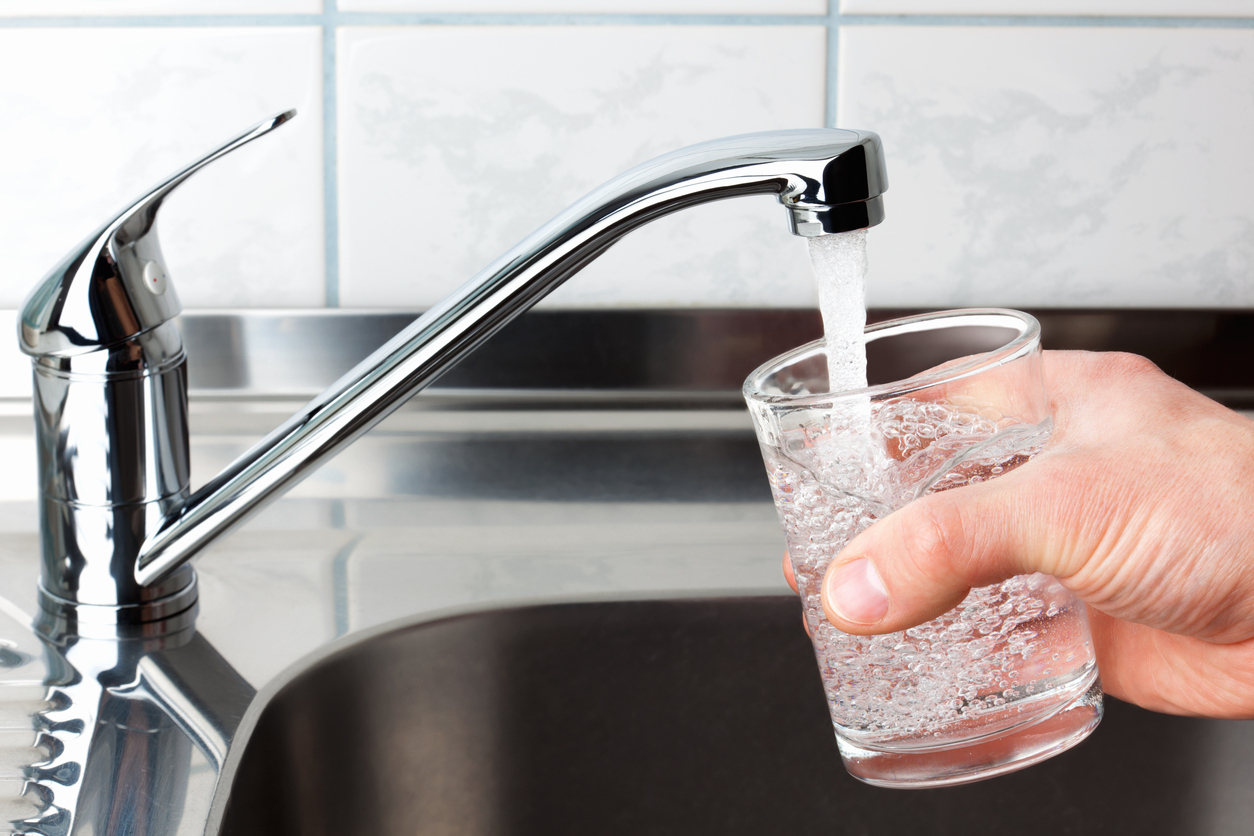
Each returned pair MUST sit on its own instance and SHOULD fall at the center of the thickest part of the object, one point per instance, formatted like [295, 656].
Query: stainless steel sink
[659, 717]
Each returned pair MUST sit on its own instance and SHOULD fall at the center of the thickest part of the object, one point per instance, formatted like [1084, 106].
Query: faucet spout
[829, 180]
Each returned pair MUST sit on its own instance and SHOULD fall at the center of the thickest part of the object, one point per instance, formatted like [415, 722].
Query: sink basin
[659, 717]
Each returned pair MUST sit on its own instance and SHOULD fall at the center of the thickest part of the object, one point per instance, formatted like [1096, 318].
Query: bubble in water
[971, 662]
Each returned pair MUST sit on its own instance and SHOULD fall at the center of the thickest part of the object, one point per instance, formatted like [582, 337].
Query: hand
[1142, 505]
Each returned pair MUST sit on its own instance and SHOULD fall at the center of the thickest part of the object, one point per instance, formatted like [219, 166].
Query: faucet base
[59, 618]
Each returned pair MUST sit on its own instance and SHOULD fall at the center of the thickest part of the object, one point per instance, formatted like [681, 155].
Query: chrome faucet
[117, 518]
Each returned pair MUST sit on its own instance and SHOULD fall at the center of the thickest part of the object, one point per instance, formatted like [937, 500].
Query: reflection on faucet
[118, 520]
[135, 731]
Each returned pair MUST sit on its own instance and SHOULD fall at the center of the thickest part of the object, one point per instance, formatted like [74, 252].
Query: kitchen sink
[659, 717]
[625, 471]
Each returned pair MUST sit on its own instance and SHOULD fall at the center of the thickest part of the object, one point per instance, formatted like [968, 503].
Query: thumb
[921, 561]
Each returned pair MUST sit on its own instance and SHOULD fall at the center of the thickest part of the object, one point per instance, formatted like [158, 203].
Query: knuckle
[930, 538]
[1121, 364]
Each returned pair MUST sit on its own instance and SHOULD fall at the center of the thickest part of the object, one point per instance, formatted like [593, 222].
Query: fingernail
[856, 592]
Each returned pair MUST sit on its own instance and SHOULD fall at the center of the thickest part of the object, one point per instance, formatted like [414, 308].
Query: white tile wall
[1058, 166]
[1138, 8]
[93, 116]
[30, 8]
[442, 171]
[1079, 162]
[779, 7]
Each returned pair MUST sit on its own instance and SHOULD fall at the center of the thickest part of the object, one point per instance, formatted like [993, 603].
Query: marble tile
[441, 171]
[777, 7]
[104, 113]
[1135, 8]
[56, 8]
[1058, 166]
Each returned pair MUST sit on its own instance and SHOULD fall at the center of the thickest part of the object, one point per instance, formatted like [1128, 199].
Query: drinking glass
[1008, 677]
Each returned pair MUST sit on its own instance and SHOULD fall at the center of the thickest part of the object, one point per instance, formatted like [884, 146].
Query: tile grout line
[831, 90]
[336, 18]
[330, 156]
[1058, 21]
[405, 19]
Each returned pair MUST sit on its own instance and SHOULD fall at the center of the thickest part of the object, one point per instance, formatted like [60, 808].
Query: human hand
[1142, 505]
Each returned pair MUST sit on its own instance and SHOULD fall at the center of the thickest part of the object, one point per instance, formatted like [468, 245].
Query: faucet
[118, 521]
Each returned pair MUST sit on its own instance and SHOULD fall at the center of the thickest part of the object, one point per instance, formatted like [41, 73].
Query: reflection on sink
[690, 716]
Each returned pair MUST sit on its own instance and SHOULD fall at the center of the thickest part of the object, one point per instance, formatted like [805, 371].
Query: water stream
[840, 266]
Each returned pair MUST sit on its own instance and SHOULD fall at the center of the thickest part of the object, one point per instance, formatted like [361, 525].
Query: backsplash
[1035, 158]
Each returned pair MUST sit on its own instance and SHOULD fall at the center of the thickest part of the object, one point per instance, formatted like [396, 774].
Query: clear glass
[1007, 678]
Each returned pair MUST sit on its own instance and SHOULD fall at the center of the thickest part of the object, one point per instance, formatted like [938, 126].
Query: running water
[840, 271]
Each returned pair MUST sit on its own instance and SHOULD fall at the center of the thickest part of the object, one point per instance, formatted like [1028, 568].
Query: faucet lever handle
[113, 286]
